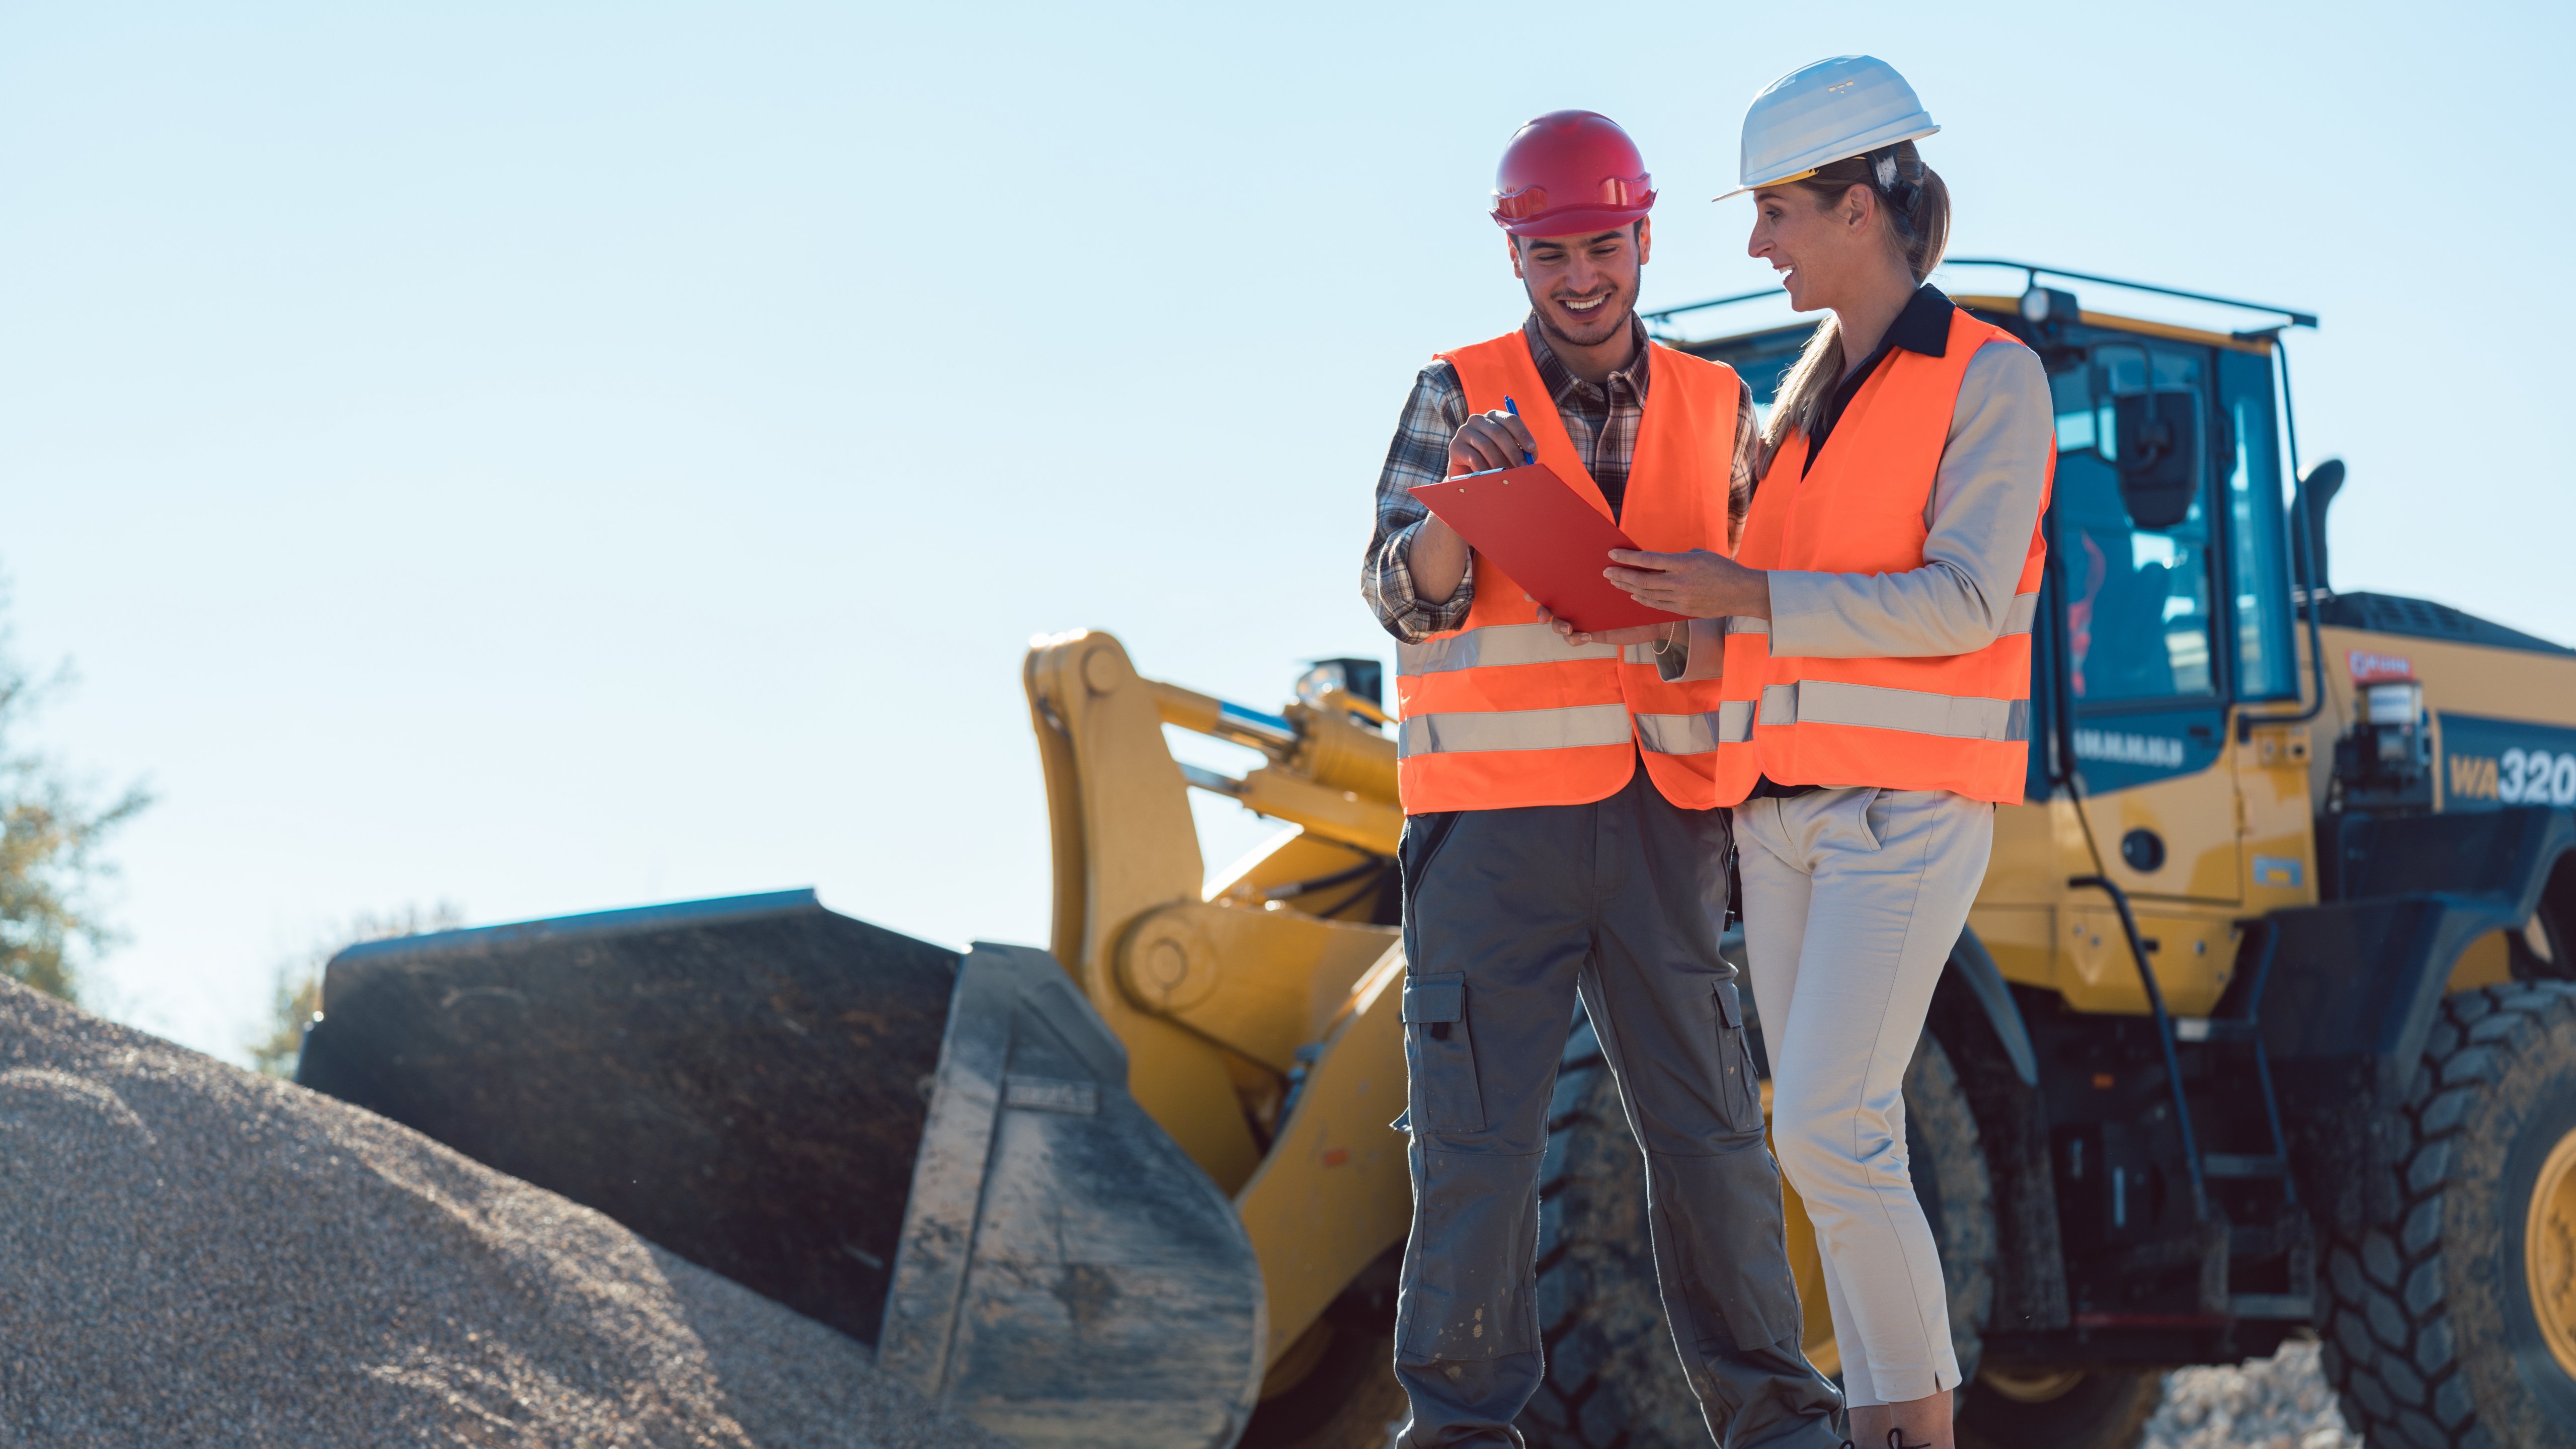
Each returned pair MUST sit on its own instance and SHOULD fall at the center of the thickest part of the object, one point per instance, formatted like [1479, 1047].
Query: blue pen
[1514, 409]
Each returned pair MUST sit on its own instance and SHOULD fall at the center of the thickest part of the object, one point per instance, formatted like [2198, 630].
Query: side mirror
[2047, 307]
[2046, 313]
[2157, 441]
[2315, 494]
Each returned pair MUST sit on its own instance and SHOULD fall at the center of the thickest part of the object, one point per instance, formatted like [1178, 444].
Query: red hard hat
[1569, 172]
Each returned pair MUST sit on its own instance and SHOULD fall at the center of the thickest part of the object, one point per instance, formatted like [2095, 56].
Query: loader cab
[2188, 743]
[2168, 512]
[2167, 633]
[2167, 625]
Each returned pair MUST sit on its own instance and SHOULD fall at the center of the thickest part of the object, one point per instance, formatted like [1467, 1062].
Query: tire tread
[2390, 1350]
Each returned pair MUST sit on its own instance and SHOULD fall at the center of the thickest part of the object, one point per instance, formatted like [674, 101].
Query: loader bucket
[934, 1153]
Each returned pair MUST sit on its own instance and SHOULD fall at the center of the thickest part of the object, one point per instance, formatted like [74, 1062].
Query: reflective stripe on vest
[1513, 729]
[1691, 734]
[1949, 716]
[1492, 647]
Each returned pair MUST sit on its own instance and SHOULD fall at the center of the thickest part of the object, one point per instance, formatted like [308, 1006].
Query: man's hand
[1698, 584]
[1438, 556]
[1617, 638]
[1488, 441]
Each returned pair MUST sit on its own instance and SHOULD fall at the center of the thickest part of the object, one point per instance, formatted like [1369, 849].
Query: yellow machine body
[1235, 991]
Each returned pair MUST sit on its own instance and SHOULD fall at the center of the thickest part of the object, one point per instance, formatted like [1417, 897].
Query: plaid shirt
[1601, 421]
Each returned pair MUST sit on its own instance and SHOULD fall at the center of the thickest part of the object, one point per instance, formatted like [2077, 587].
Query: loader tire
[2452, 1325]
[2072, 1408]
[1612, 1375]
[1948, 1161]
[1348, 1399]
[1612, 1378]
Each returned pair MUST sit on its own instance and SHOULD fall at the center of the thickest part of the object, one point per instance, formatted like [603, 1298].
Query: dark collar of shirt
[1923, 328]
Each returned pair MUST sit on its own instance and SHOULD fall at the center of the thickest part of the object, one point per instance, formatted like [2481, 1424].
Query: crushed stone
[2281, 1402]
[193, 1255]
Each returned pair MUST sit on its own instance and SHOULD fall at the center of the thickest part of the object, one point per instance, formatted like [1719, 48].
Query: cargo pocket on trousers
[1440, 1055]
[1739, 1100]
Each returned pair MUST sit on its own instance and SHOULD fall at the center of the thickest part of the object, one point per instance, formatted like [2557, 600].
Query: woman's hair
[1916, 204]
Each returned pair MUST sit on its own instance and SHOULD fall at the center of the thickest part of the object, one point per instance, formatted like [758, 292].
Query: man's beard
[1547, 323]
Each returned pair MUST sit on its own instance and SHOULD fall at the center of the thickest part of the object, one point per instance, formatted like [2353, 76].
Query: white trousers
[1852, 901]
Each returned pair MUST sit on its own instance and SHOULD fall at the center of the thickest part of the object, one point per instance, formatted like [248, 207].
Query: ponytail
[1916, 203]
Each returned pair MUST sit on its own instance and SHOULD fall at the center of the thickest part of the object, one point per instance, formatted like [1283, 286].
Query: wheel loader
[2264, 1024]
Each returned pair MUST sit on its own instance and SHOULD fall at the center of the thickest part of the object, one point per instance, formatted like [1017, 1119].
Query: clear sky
[552, 457]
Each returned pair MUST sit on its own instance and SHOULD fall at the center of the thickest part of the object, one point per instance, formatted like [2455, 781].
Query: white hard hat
[1827, 112]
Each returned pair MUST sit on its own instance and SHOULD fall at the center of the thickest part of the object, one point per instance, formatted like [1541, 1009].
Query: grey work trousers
[1853, 899]
[1507, 915]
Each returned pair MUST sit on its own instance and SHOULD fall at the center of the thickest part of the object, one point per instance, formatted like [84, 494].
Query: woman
[1872, 637]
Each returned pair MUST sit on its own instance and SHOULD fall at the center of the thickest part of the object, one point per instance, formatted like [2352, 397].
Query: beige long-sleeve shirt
[1985, 501]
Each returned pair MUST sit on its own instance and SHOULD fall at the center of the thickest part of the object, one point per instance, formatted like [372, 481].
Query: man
[1560, 837]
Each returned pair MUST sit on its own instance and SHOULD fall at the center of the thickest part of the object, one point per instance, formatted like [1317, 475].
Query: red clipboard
[1547, 537]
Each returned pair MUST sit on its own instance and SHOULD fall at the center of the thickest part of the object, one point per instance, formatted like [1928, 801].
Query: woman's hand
[1697, 585]
[1617, 638]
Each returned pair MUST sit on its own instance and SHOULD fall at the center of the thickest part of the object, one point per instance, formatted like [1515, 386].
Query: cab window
[2138, 601]
[2257, 530]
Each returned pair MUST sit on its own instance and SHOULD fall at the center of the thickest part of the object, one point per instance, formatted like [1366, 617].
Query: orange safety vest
[1502, 712]
[1959, 722]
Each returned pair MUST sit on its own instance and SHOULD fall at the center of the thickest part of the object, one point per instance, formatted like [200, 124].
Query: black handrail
[1670, 312]
[2164, 1036]
[2034, 271]
[2253, 1018]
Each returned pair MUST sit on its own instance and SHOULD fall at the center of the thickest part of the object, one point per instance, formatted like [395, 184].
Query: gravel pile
[191, 1255]
[2280, 1402]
